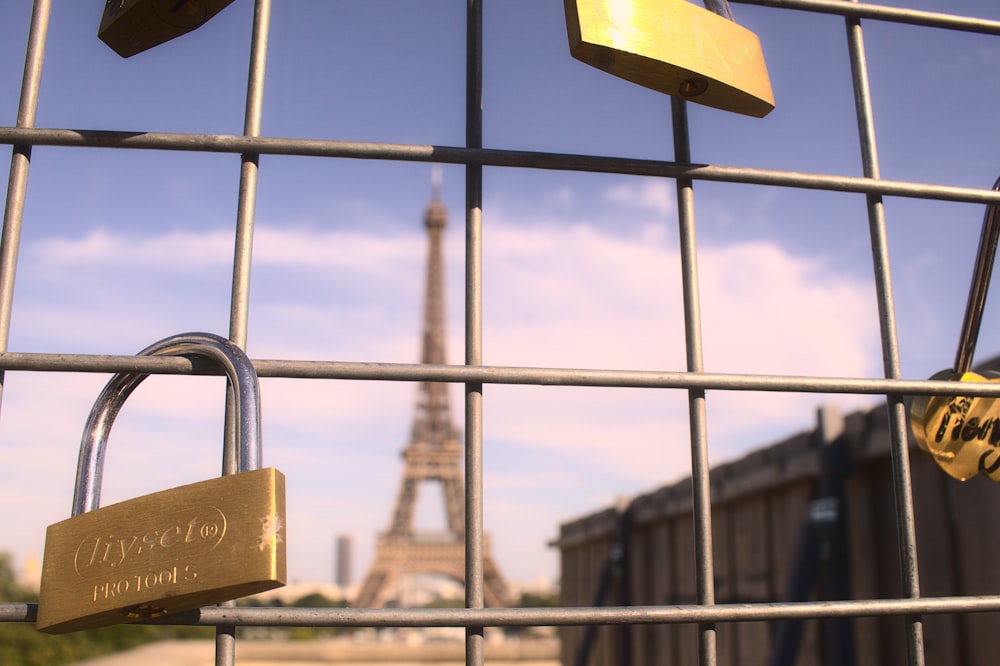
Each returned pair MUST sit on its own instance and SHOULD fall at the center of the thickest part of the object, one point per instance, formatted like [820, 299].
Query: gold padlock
[134, 26]
[674, 47]
[173, 550]
[962, 432]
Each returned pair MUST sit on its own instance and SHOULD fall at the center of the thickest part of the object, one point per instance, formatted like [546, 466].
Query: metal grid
[473, 375]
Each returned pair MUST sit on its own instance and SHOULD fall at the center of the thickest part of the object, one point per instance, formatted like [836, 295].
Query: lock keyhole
[693, 87]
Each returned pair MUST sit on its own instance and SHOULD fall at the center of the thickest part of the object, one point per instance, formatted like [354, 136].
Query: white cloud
[338, 249]
[766, 311]
[100, 246]
[578, 297]
[555, 295]
[657, 196]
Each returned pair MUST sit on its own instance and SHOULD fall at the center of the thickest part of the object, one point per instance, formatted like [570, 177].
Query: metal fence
[807, 518]
[705, 613]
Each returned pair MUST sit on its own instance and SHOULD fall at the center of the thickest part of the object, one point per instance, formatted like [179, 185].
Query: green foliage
[256, 602]
[23, 645]
[317, 600]
[9, 589]
[312, 600]
[534, 600]
[445, 602]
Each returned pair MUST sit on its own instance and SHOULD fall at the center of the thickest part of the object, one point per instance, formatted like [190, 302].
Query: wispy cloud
[96, 248]
[653, 195]
[556, 295]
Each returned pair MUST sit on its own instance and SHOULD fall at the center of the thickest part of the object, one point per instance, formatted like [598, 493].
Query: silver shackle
[242, 379]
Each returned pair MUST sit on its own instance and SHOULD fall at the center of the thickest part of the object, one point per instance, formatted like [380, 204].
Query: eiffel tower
[433, 455]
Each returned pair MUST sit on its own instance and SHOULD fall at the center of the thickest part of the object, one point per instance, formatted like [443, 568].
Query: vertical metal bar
[245, 210]
[20, 160]
[246, 205]
[979, 288]
[225, 641]
[700, 487]
[225, 636]
[902, 485]
[474, 643]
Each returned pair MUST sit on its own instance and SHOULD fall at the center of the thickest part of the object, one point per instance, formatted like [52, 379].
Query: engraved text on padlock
[962, 433]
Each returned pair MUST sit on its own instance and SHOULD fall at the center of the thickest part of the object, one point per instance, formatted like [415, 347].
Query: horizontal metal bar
[417, 372]
[534, 617]
[883, 13]
[214, 143]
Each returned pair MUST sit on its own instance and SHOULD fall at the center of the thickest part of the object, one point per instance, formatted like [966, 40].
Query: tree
[23, 645]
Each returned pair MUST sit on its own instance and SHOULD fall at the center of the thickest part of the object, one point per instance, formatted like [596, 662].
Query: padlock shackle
[242, 379]
[976, 303]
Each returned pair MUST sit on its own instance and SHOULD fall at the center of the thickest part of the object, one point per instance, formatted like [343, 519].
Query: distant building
[30, 575]
[810, 517]
[343, 565]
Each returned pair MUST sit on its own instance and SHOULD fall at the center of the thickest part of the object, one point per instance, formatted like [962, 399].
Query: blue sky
[121, 248]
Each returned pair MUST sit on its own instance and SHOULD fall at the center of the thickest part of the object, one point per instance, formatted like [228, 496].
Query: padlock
[134, 26]
[674, 47]
[173, 550]
[962, 432]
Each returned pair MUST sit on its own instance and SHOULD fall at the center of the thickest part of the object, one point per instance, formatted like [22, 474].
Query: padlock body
[674, 47]
[962, 433]
[133, 26]
[163, 553]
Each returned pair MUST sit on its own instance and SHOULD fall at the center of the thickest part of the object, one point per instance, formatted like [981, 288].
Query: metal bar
[278, 616]
[720, 7]
[239, 304]
[700, 487]
[217, 143]
[246, 207]
[486, 374]
[225, 641]
[475, 617]
[20, 161]
[902, 483]
[474, 549]
[884, 13]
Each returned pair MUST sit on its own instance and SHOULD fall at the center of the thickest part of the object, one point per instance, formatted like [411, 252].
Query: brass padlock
[674, 47]
[962, 432]
[173, 550]
[134, 26]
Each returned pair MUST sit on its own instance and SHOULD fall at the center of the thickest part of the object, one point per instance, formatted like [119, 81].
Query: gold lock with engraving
[674, 47]
[174, 550]
[962, 432]
[133, 26]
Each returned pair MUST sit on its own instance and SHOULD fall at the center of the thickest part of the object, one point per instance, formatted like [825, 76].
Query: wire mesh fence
[480, 161]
